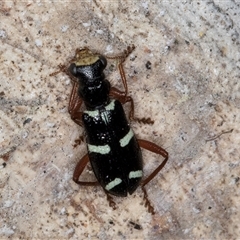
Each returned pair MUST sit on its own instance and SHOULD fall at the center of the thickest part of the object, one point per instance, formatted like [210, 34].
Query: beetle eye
[103, 60]
[73, 69]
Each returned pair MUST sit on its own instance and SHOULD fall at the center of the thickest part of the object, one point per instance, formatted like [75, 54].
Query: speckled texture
[184, 74]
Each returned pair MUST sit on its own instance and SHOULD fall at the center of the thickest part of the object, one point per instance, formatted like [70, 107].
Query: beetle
[114, 151]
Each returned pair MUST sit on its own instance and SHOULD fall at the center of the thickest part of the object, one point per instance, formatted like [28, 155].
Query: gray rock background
[184, 74]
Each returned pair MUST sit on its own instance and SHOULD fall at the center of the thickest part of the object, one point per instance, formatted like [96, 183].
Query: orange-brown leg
[75, 101]
[74, 105]
[156, 149]
[121, 58]
[111, 203]
[62, 68]
[77, 173]
[123, 98]
[79, 169]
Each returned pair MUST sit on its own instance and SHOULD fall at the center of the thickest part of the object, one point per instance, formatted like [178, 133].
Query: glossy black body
[104, 126]
[120, 161]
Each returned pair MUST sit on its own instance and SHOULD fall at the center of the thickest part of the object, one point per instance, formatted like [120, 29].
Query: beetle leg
[121, 58]
[79, 169]
[112, 204]
[121, 96]
[156, 149]
[75, 101]
[126, 53]
[74, 105]
[62, 68]
[78, 141]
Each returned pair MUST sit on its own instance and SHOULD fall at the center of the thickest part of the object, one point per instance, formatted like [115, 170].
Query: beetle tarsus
[112, 204]
[78, 141]
[143, 120]
[147, 202]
